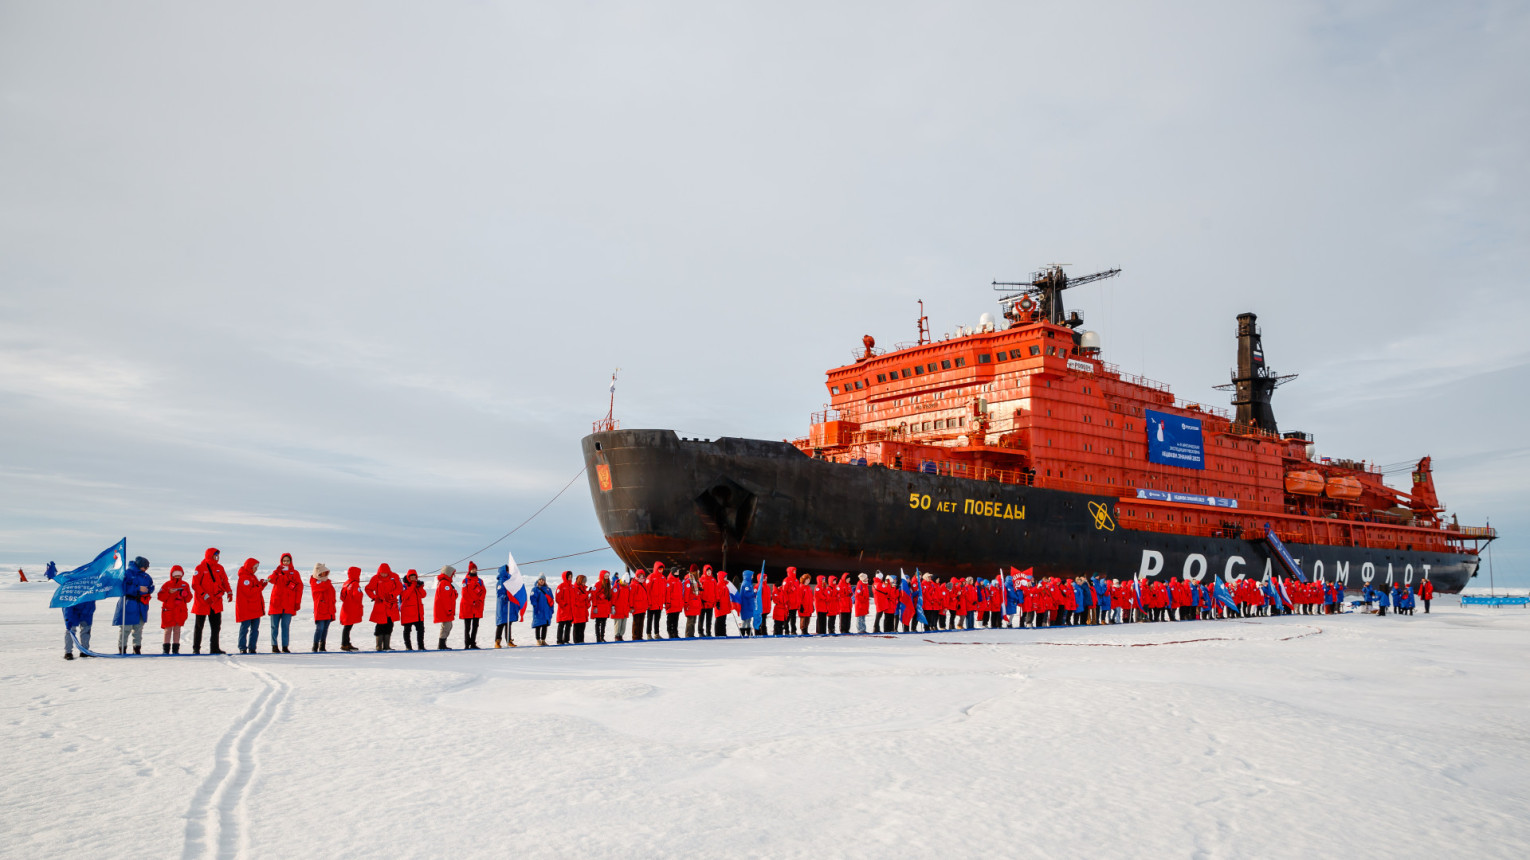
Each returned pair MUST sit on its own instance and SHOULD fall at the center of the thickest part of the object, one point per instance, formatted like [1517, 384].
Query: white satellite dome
[985, 322]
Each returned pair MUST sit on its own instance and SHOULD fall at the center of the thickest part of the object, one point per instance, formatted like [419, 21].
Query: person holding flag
[133, 605]
[510, 604]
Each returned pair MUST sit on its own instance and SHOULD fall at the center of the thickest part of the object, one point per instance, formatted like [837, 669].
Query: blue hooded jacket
[746, 597]
[541, 605]
[52, 570]
[130, 608]
[501, 598]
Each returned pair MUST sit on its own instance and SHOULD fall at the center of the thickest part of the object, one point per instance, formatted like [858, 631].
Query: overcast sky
[350, 279]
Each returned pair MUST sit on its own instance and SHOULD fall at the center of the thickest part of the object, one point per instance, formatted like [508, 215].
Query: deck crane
[1047, 286]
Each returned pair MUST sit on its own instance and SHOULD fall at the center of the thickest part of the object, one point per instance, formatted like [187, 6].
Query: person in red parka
[600, 604]
[208, 588]
[249, 605]
[411, 609]
[384, 588]
[724, 606]
[674, 602]
[286, 599]
[473, 594]
[637, 602]
[580, 609]
[175, 600]
[446, 605]
[692, 602]
[621, 605]
[564, 595]
[1425, 592]
[860, 600]
[323, 606]
[350, 607]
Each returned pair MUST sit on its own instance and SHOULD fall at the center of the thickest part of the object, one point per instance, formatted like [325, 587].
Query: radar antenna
[1047, 286]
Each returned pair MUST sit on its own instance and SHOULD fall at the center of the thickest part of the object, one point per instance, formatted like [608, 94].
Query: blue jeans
[282, 624]
[320, 632]
[249, 634]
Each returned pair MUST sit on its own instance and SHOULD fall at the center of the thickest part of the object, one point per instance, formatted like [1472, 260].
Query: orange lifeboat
[1305, 483]
[1344, 488]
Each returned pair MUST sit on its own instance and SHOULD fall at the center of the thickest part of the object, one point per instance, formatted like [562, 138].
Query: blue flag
[1224, 596]
[100, 579]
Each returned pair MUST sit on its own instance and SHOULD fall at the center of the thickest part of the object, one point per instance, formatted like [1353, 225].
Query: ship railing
[861, 353]
[606, 425]
[824, 417]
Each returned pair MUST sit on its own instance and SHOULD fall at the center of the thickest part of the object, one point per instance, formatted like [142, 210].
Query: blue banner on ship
[1174, 441]
[1187, 499]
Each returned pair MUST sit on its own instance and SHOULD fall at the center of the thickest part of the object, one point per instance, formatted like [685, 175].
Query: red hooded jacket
[286, 589]
[175, 594]
[674, 593]
[620, 600]
[411, 599]
[637, 595]
[446, 599]
[581, 607]
[473, 593]
[350, 597]
[249, 594]
[600, 602]
[323, 598]
[384, 588]
[565, 597]
[209, 586]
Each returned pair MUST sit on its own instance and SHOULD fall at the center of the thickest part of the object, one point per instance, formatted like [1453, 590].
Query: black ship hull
[738, 504]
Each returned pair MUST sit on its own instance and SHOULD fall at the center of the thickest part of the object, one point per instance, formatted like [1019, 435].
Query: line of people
[655, 603]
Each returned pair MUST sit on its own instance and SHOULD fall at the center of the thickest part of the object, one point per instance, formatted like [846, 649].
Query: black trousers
[781, 627]
[563, 631]
[823, 624]
[215, 620]
[419, 631]
[579, 632]
[844, 623]
[470, 632]
[345, 636]
[674, 625]
[706, 622]
[600, 629]
[541, 633]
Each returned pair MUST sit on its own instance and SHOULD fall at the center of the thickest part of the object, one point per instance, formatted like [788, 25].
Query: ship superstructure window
[945, 364]
[961, 361]
[858, 385]
[1002, 356]
[918, 370]
[834, 388]
[984, 358]
[1035, 349]
[903, 373]
[881, 377]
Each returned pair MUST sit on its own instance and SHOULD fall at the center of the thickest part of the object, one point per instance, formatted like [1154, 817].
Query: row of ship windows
[946, 364]
[1130, 482]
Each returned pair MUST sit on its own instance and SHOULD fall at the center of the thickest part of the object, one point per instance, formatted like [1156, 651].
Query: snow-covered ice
[1295, 737]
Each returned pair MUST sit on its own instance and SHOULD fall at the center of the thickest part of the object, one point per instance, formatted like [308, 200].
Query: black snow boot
[167, 647]
[441, 645]
[137, 649]
[176, 648]
[68, 656]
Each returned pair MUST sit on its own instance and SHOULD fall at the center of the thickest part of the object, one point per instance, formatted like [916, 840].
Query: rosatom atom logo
[603, 474]
[1102, 518]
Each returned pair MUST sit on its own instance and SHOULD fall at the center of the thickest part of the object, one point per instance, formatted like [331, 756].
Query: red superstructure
[1032, 403]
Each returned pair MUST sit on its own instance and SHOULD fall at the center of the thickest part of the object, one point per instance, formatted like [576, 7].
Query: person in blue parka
[1383, 600]
[77, 620]
[747, 597]
[541, 609]
[133, 605]
[51, 572]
